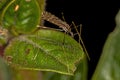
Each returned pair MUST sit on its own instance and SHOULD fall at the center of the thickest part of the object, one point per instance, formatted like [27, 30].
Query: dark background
[97, 18]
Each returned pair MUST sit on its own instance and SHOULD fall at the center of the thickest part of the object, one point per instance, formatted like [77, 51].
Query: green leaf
[46, 50]
[108, 67]
[4, 71]
[80, 73]
[21, 16]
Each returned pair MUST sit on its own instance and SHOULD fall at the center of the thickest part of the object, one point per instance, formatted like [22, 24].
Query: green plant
[29, 50]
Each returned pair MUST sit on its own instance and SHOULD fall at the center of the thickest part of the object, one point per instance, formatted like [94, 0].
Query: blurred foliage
[108, 67]
[4, 71]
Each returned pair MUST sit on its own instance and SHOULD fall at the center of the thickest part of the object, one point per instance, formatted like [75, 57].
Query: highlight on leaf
[21, 16]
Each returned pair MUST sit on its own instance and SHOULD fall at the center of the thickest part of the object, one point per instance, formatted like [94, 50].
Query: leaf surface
[80, 73]
[21, 16]
[46, 50]
[2, 3]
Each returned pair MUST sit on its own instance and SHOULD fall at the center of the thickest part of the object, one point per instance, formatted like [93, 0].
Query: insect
[55, 20]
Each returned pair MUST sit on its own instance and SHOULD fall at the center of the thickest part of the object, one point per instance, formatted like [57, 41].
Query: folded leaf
[109, 64]
[46, 50]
